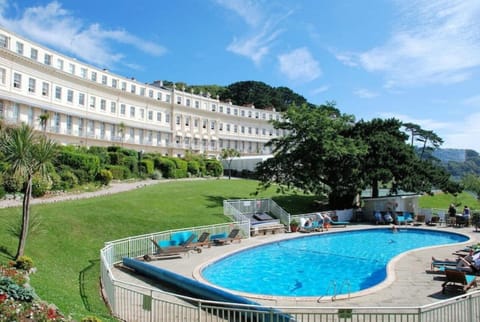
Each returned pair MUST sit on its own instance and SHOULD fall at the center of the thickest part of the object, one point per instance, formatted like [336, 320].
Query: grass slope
[66, 248]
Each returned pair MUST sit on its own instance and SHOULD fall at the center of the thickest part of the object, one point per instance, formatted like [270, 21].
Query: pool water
[321, 264]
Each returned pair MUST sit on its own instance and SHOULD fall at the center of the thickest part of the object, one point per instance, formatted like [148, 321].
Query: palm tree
[43, 118]
[27, 154]
[121, 130]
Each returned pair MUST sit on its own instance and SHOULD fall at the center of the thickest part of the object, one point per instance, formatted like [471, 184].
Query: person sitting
[469, 264]
[378, 218]
[327, 220]
[388, 217]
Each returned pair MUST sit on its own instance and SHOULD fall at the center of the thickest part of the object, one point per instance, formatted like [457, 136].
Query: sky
[415, 60]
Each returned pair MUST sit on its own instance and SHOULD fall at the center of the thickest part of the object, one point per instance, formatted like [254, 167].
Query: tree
[427, 137]
[414, 130]
[228, 155]
[121, 130]
[43, 119]
[317, 155]
[28, 154]
[471, 182]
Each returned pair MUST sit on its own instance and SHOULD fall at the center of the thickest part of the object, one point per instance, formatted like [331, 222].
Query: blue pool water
[322, 264]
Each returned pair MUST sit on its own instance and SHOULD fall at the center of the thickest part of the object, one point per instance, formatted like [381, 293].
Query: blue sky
[416, 60]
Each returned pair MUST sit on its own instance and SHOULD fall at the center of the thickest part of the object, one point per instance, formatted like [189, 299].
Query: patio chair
[203, 240]
[233, 236]
[170, 251]
[458, 281]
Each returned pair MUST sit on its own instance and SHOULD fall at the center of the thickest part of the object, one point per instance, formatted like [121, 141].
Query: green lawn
[66, 248]
[442, 201]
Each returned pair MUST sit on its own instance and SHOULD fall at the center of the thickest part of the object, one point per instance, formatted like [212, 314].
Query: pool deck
[409, 283]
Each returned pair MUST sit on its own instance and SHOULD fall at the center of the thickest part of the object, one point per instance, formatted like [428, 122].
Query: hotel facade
[79, 104]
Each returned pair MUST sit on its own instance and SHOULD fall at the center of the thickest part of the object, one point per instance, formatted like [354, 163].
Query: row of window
[134, 88]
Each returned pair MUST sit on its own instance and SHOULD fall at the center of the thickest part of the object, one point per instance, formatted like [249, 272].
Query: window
[142, 113]
[132, 111]
[19, 48]
[235, 128]
[92, 101]
[104, 79]
[159, 116]
[3, 41]
[150, 93]
[69, 124]
[242, 113]
[187, 121]
[45, 89]
[3, 74]
[33, 53]
[249, 113]
[167, 118]
[220, 109]
[214, 107]
[81, 99]
[58, 92]
[220, 127]
[83, 72]
[197, 104]
[47, 59]
[235, 112]
[150, 115]
[93, 76]
[103, 105]
[142, 91]
[124, 86]
[242, 129]
[187, 102]
[133, 89]
[60, 64]
[113, 107]
[228, 127]
[167, 98]
[31, 85]
[114, 83]
[159, 96]
[212, 125]
[70, 96]
[122, 109]
[228, 110]
[204, 124]
[179, 100]
[17, 80]
[177, 120]
[71, 69]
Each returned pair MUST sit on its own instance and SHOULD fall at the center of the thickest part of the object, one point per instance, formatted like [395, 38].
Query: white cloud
[248, 10]
[461, 133]
[365, 93]
[254, 47]
[54, 26]
[299, 64]
[320, 90]
[435, 42]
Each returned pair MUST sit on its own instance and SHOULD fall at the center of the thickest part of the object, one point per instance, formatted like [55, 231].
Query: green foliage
[193, 168]
[214, 168]
[181, 168]
[166, 166]
[101, 153]
[146, 167]
[130, 162]
[156, 175]
[12, 183]
[88, 164]
[91, 319]
[15, 291]
[68, 178]
[119, 172]
[40, 185]
[128, 152]
[24, 262]
[105, 177]
[115, 157]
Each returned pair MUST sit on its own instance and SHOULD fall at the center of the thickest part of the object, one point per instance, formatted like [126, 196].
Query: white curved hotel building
[90, 106]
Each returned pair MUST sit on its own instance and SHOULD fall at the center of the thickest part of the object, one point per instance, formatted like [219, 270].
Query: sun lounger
[170, 251]
[337, 223]
[202, 240]
[233, 236]
[458, 281]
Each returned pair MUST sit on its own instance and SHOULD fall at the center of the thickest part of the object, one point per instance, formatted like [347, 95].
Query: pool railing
[134, 302]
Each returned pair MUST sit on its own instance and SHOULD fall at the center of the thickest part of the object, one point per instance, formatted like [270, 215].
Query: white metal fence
[131, 302]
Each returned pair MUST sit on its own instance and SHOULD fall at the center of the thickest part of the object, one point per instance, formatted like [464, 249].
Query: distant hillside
[447, 155]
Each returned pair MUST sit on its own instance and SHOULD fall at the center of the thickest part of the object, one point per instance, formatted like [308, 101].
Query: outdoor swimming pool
[320, 264]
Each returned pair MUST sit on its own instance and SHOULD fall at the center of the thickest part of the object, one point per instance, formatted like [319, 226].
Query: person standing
[466, 214]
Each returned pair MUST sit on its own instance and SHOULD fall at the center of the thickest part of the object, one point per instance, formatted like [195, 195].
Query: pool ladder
[337, 288]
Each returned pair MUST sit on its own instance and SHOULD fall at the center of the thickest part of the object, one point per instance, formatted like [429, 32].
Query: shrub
[40, 185]
[129, 152]
[24, 262]
[115, 158]
[146, 167]
[119, 172]
[12, 183]
[82, 176]
[193, 167]
[104, 177]
[91, 319]
[101, 153]
[88, 163]
[167, 167]
[156, 175]
[214, 168]
[15, 291]
[69, 179]
[130, 162]
[181, 168]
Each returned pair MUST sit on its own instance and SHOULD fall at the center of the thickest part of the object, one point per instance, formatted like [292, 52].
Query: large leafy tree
[28, 153]
[315, 154]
